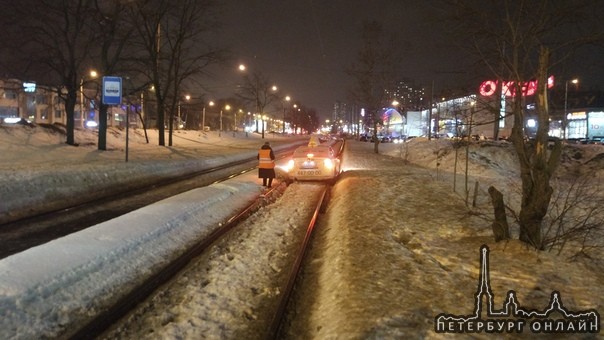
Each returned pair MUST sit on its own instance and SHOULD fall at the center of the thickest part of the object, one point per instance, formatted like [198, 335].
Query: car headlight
[290, 165]
[328, 163]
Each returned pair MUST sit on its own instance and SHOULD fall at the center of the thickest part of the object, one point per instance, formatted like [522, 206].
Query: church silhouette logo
[513, 318]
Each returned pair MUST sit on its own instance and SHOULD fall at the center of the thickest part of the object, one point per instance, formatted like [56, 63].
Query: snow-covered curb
[156, 234]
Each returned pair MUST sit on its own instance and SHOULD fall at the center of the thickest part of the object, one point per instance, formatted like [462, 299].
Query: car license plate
[309, 172]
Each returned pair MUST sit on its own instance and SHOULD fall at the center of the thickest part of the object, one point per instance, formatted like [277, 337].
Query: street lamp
[247, 123]
[294, 119]
[287, 98]
[227, 107]
[187, 98]
[203, 116]
[264, 118]
[564, 117]
[93, 75]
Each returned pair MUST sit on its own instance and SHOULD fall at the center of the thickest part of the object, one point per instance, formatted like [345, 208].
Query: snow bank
[64, 282]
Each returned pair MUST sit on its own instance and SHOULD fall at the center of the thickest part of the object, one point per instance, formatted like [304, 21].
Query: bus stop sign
[112, 90]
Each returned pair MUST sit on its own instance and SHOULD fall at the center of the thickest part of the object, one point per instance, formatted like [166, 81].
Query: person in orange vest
[266, 164]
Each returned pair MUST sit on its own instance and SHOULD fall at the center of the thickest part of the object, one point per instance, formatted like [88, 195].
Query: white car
[311, 163]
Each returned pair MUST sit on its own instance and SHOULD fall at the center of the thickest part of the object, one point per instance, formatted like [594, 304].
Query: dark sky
[304, 46]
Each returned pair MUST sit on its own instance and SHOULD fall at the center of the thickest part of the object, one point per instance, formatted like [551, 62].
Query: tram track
[104, 316]
[33, 230]
[267, 311]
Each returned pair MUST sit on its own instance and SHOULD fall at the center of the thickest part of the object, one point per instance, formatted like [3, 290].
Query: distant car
[597, 140]
[364, 138]
[310, 163]
[399, 139]
[385, 139]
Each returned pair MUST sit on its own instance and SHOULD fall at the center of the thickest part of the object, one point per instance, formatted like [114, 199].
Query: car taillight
[328, 163]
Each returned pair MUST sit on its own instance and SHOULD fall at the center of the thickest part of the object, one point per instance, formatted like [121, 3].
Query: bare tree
[257, 90]
[171, 36]
[50, 42]
[308, 119]
[522, 40]
[374, 74]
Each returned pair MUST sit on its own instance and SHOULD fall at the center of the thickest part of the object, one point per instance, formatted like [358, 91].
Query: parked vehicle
[385, 139]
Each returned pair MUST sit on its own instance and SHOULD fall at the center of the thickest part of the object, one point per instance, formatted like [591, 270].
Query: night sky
[304, 46]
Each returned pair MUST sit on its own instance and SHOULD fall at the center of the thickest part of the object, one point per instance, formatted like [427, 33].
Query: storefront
[585, 125]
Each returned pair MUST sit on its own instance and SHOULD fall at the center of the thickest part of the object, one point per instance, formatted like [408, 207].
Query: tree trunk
[160, 119]
[536, 168]
[501, 229]
[497, 113]
[70, 103]
[376, 141]
[103, 127]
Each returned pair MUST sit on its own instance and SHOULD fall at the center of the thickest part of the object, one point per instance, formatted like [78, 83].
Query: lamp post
[187, 98]
[203, 116]
[287, 98]
[247, 123]
[227, 107]
[294, 119]
[93, 74]
[564, 116]
[395, 104]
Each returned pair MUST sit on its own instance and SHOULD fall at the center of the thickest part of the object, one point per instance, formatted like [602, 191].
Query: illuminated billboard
[508, 88]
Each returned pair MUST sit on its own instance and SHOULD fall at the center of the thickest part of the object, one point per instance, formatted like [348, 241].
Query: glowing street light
[83, 117]
[226, 107]
[203, 116]
[287, 98]
[564, 116]
[187, 98]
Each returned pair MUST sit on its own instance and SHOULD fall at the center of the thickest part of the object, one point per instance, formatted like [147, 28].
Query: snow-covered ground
[396, 247]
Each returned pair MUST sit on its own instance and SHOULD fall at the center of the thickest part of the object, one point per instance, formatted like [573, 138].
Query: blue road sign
[112, 90]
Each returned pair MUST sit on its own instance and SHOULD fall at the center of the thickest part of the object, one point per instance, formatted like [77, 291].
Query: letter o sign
[487, 88]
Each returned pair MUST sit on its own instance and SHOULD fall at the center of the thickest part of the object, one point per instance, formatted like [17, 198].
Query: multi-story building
[30, 102]
[42, 105]
[410, 96]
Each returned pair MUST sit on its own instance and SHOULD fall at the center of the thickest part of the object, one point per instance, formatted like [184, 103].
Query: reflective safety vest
[264, 159]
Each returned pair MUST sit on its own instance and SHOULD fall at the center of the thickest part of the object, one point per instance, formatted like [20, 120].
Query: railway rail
[109, 318]
[30, 231]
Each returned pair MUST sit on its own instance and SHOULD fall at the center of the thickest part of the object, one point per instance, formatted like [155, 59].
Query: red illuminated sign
[508, 88]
